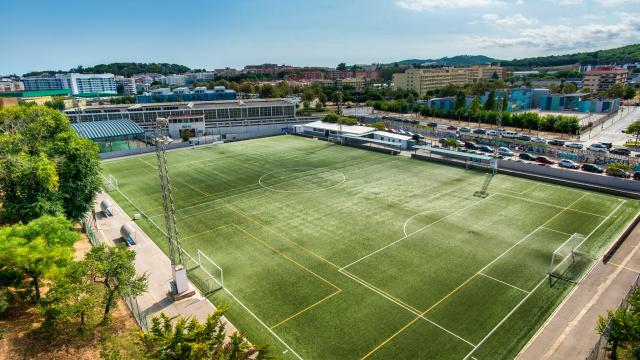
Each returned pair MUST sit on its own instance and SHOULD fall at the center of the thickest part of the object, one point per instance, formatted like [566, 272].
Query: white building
[128, 83]
[180, 80]
[325, 129]
[404, 141]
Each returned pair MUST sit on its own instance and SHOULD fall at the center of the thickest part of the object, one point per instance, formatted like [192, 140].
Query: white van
[510, 134]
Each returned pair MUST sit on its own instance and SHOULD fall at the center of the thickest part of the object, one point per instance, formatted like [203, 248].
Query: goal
[204, 272]
[110, 183]
[570, 261]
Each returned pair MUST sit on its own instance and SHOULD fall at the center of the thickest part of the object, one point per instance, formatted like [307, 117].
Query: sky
[213, 34]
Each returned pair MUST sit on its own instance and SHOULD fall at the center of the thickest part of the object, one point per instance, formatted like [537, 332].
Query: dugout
[372, 144]
[107, 207]
[129, 234]
[460, 158]
[112, 135]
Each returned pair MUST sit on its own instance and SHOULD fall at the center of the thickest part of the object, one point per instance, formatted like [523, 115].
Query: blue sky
[40, 35]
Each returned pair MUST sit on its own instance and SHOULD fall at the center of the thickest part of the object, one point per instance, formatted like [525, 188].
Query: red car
[451, 127]
[545, 160]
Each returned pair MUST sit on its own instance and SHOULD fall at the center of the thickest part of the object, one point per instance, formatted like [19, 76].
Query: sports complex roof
[107, 129]
[453, 153]
[375, 141]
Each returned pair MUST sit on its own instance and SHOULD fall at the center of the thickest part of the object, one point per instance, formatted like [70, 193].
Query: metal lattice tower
[175, 249]
[500, 109]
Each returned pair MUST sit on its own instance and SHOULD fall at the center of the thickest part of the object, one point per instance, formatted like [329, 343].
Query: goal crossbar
[200, 271]
[564, 257]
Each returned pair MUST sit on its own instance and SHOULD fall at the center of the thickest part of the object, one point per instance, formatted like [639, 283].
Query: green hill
[123, 68]
[621, 55]
[460, 60]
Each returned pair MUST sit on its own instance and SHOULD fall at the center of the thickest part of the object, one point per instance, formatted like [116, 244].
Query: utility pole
[178, 269]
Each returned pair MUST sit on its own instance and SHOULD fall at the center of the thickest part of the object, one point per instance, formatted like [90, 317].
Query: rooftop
[183, 105]
[107, 129]
[352, 129]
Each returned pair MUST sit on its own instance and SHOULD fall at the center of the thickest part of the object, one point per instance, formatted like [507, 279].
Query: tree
[36, 250]
[45, 169]
[378, 125]
[616, 91]
[55, 104]
[474, 108]
[570, 88]
[586, 90]
[184, 339]
[112, 267]
[306, 105]
[490, 102]
[268, 91]
[451, 143]
[323, 99]
[308, 95]
[410, 99]
[495, 75]
[629, 93]
[331, 118]
[634, 128]
[619, 331]
[318, 106]
[505, 102]
[480, 87]
[555, 88]
[246, 88]
[449, 90]
[341, 67]
[461, 101]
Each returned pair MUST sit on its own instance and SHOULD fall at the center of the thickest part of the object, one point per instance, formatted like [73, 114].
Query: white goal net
[204, 272]
[569, 260]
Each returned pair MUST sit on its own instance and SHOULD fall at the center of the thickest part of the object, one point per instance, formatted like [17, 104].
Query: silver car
[574, 145]
[505, 151]
[568, 164]
[539, 140]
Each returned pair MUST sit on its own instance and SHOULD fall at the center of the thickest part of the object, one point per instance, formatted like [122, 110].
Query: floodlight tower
[175, 250]
[500, 109]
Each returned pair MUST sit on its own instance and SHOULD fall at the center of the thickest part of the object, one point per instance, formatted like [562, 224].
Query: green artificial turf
[342, 253]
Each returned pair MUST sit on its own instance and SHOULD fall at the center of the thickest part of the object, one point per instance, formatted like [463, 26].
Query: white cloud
[566, 2]
[519, 2]
[591, 17]
[561, 37]
[422, 5]
[516, 19]
[612, 3]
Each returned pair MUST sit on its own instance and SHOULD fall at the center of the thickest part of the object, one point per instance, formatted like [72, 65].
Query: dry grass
[22, 340]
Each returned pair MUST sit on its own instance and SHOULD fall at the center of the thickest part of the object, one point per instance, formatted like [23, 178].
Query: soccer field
[332, 252]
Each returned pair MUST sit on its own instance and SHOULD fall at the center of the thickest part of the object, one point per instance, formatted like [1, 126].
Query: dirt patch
[23, 341]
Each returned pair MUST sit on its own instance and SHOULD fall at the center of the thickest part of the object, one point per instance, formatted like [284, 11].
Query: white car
[492, 133]
[540, 140]
[504, 151]
[574, 145]
[401, 132]
[597, 147]
[568, 164]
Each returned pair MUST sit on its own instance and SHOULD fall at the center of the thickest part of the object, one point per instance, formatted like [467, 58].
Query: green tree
[619, 331]
[55, 104]
[268, 91]
[474, 108]
[495, 75]
[331, 118]
[505, 102]
[629, 93]
[246, 88]
[342, 66]
[318, 106]
[112, 267]
[410, 99]
[322, 97]
[415, 109]
[531, 120]
[570, 88]
[555, 88]
[306, 105]
[490, 102]
[36, 250]
[425, 111]
[449, 90]
[634, 129]
[461, 101]
[184, 339]
[308, 95]
[451, 143]
[616, 91]
[378, 125]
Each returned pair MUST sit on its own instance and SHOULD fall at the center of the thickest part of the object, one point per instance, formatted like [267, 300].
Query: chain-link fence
[601, 349]
[90, 234]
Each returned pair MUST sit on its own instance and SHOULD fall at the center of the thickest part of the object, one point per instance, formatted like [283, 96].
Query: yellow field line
[531, 188]
[184, 182]
[384, 292]
[624, 267]
[420, 316]
[150, 173]
[204, 232]
[565, 209]
[300, 312]
[290, 259]
[533, 201]
[298, 245]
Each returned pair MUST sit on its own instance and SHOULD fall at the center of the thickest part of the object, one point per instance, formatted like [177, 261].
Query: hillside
[460, 60]
[621, 55]
[122, 68]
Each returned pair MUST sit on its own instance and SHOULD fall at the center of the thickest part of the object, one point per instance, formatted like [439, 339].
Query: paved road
[611, 130]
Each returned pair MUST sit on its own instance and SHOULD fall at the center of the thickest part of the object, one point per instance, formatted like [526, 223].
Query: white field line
[559, 232]
[404, 228]
[225, 289]
[148, 163]
[557, 186]
[509, 249]
[417, 231]
[258, 189]
[403, 306]
[537, 286]
[500, 281]
[552, 205]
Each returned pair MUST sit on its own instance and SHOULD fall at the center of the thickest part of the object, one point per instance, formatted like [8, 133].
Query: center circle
[301, 179]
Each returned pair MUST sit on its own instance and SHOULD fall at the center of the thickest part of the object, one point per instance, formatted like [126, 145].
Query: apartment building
[423, 80]
[600, 79]
[128, 83]
[78, 83]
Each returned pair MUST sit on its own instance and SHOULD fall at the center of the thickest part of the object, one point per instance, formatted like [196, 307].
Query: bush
[184, 134]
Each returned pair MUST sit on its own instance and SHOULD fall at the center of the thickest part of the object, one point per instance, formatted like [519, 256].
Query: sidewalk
[150, 259]
[570, 333]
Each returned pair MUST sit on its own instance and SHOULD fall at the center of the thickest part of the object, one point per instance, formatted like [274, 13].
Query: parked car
[479, 131]
[620, 151]
[402, 132]
[568, 164]
[524, 138]
[465, 129]
[432, 124]
[510, 134]
[618, 173]
[636, 175]
[471, 145]
[608, 145]
[592, 168]
[492, 133]
[442, 140]
[527, 156]
[539, 140]
[545, 160]
[487, 149]
[392, 131]
[556, 142]
[597, 147]
[575, 145]
[409, 133]
[505, 151]
[415, 122]
[500, 131]
[451, 127]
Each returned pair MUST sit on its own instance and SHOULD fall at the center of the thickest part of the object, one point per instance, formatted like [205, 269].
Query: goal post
[110, 182]
[205, 273]
[569, 260]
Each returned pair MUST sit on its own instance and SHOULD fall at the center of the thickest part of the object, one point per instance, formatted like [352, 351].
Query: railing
[601, 350]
